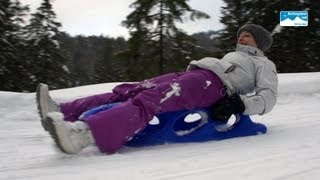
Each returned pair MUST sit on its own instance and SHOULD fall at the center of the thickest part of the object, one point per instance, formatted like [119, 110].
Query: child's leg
[72, 110]
[114, 127]
[129, 90]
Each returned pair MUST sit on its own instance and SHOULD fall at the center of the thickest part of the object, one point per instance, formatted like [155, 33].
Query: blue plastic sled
[173, 128]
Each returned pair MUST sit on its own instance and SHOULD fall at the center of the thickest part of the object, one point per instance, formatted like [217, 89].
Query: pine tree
[294, 48]
[6, 47]
[312, 43]
[103, 68]
[234, 15]
[110, 67]
[11, 68]
[155, 36]
[44, 52]
[6, 28]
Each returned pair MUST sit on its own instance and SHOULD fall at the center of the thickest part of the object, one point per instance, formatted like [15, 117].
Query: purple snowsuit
[141, 101]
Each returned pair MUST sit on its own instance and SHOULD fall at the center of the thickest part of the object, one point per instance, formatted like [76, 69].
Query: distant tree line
[35, 50]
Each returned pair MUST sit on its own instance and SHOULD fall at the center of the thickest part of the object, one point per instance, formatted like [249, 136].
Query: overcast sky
[104, 17]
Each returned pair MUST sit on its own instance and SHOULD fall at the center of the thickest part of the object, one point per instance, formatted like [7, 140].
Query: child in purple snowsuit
[205, 83]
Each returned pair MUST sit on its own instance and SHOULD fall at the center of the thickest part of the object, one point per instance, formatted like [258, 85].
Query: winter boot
[70, 137]
[45, 103]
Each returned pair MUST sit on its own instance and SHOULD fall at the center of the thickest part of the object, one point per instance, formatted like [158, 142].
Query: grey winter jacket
[246, 72]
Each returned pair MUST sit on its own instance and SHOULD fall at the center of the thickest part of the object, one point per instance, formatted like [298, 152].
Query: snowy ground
[290, 149]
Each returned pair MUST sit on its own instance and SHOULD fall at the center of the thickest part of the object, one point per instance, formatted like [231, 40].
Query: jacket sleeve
[265, 97]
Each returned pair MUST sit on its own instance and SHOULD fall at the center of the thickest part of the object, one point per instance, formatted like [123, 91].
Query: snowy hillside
[290, 149]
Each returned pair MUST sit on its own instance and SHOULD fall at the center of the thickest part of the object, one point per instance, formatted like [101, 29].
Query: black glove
[223, 109]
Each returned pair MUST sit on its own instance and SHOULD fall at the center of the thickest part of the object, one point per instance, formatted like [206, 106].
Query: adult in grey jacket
[250, 77]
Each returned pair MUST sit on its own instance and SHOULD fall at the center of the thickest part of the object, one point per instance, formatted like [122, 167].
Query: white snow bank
[299, 83]
[289, 150]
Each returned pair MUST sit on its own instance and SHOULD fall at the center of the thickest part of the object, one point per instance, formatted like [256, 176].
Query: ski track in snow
[289, 150]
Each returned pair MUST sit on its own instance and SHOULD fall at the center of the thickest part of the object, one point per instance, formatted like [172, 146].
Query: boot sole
[40, 110]
[49, 125]
[59, 132]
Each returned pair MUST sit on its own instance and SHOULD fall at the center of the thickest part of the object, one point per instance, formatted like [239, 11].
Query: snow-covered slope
[290, 149]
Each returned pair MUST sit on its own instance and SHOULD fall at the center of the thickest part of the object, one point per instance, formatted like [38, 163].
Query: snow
[277, 29]
[66, 69]
[175, 91]
[148, 84]
[289, 150]
[208, 83]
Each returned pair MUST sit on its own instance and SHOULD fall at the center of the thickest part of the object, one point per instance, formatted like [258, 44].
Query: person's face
[246, 38]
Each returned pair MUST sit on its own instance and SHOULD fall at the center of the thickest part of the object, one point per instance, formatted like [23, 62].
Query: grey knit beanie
[262, 37]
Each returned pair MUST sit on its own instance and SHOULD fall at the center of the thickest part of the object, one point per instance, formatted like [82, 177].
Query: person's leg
[129, 90]
[71, 137]
[114, 127]
[72, 110]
